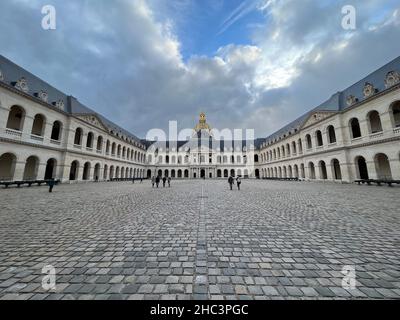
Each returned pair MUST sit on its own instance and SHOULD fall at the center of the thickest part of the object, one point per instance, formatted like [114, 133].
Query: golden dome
[202, 125]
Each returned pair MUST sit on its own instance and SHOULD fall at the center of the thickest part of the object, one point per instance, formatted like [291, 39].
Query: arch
[31, 168]
[16, 118]
[186, 173]
[124, 152]
[90, 140]
[309, 141]
[7, 166]
[280, 172]
[73, 173]
[86, 171]
[219, 173]
[311, 169]
[284, 172]
[256, 158]
[149, 174]
[226, 173]
[296, 171]
[99, 145]
[331, 132]
[56, 131]
[336, 170]
[112, 172]
[382, 165]
[51, 169]
[318, 137]
[179, 174]
[322, 170]
[355, 128]
[96, 173]
[122, 172]
[374, 122]
[119, 150]
[294, 148]
[300, 143]
[394, 111]
[117, 172]
[38, 125]
[114, 149]
[290, 172]
[78, 137]
[362, 168]
[202, 173]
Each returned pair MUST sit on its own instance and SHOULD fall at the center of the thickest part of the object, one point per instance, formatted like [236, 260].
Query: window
[355, 128]
[331, 134]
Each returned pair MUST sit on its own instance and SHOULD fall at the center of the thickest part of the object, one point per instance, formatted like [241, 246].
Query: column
[372, 170]
[41, 171]
[345, 169]
[64, 173]
[19, 171]
[395, 168]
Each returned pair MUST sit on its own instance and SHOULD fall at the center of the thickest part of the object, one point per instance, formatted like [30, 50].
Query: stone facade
[46, 134]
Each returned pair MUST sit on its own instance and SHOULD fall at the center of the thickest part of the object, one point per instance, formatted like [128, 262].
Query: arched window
[311, 169]
[73, 175]
[374, 122]
[300, 143]
[119, 149]
[294, 149]
[99, 143]
[86, 171]
[318, 137]
[355, 128]
[16, 118]
[331, 134]
[78, 137]
[395, 114]
[51, 168]
[256, 158]
[337, 172]
[7, 166]
[56, 131]
[309, 142]
[89, 142]
[113, 149]
[288, 150]
[38, 125]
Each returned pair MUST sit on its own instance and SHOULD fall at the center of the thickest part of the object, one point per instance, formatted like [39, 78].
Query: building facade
[45, 134]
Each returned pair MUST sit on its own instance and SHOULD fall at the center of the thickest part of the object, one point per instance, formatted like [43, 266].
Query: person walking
[164, 180]
[153, 181]
[51, 184]
[158, 179]
[238, 182]
[169, 182]
[231, 182]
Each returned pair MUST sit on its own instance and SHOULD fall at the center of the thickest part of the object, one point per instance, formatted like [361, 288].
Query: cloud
[124, 59]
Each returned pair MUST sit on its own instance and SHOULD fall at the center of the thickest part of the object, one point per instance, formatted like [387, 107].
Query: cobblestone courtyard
[198, 240]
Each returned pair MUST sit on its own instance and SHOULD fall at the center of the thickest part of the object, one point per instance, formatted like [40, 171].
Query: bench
[379, 182]
[29, 183]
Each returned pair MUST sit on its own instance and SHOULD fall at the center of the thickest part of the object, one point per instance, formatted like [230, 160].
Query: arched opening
[51, 168]
[302, 171]
[284, 172]
[300, 143]
[290, 172]
[122, 173]
[31, 168]
[336, 170]
[86, 171]
[186, 174]
[374, 122]
[38, 125]
[78, 137]
[331, 134]
[226, 173]
[114, 149]
[166, 173]
[219, 173]
[395, 114]
[294, 149]
[280, 173]
[112, 172]
[382, 165]
[89, 142]
[309, 141]
[355, 128]
[96, 174]
[362, 169]
[119, 150]
[117, 173]
[16, 118]
[99, 146]
[56, 131]
[311, 169]
[73, 174]
[7, 166]
[202, 173]
[173, 174]
[296, 171]
[179, 174]
[233, 173]
[148, 174]
[159, 174]
[318, 136]
[322, 170]
[256, 158]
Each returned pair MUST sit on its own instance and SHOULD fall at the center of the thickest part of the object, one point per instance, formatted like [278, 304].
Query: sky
[255, 64]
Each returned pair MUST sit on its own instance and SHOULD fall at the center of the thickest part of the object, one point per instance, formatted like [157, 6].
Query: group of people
[155, 181]
[231, 182]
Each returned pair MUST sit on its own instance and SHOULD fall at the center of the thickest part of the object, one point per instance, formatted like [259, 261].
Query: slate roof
[12, 73]
[338, 101]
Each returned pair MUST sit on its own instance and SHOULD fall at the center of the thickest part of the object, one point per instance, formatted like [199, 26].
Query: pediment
[317, 117]
[93, 120]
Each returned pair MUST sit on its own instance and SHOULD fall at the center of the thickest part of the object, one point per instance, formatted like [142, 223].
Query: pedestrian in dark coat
[231, 182]
[238, 182]
[158, 179]
[51, 184]
[164, 180]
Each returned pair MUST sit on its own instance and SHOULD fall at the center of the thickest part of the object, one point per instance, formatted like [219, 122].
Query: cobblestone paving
[198, 240]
